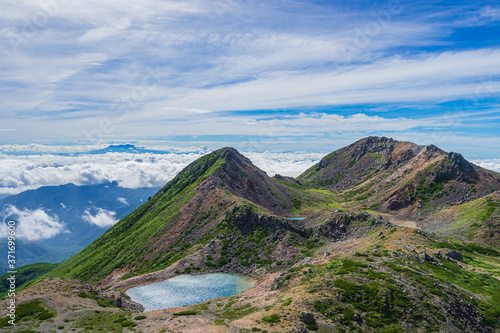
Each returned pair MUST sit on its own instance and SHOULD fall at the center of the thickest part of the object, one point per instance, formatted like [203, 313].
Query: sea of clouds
[490, 164]
[19, 173]
[43, 166]
[22, 172]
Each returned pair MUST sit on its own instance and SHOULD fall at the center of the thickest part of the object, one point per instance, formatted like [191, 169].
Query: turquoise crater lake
[189, 290]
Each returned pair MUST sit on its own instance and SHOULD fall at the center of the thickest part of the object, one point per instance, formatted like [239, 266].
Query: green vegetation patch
[101, 321]
[385, 302]
[24, 275]
[274, 318]
[33, 310]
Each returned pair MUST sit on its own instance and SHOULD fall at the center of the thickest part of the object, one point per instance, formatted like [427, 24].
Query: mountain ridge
[351, 262]
[400, 177]
[193, 202]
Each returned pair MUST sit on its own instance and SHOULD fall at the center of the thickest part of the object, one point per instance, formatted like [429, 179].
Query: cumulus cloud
[32, 225]
[123, 200]
[103, 218]
[490, 164]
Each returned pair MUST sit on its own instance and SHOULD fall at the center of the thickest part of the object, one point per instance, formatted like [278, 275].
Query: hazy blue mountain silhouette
[70, 202]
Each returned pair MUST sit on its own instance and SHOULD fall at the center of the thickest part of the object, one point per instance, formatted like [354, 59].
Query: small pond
[296, 218]
[189, 290]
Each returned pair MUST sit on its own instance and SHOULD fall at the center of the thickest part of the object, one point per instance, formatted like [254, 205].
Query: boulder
[307, 318]
[439, 255]
[424, 256]
[455, 255]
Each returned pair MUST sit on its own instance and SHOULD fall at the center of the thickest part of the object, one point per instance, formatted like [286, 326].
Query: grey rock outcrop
[455, 255]
[307, 318]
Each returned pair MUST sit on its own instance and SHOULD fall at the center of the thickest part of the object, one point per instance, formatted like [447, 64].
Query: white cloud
[36, 148]
[394, 79]
[40, 148]
[103, 218]
[248, 55]
[123, 200]
[32, 225]
[105, 31]
[490, 164]
[285, 164]
[19, 173]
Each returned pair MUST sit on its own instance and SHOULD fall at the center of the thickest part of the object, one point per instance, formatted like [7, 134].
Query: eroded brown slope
[400, 177]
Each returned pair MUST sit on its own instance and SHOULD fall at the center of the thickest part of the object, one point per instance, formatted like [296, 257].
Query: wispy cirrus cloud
[122, 70]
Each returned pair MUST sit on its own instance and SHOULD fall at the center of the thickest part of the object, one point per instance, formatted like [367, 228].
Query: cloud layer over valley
[23, 172]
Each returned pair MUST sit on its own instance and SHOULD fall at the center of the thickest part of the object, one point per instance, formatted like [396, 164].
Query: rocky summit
[389, 236]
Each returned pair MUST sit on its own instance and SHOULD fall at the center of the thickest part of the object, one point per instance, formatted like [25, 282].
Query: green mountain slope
[24, 275]
[477, 220]
[192, 203]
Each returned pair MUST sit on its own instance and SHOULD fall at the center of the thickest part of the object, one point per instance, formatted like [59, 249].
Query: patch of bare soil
[402, 222]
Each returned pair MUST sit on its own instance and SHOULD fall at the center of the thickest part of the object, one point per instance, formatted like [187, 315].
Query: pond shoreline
[189, 289]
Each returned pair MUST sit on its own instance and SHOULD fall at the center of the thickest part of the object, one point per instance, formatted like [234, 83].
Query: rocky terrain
[400, 177]
[396, 237]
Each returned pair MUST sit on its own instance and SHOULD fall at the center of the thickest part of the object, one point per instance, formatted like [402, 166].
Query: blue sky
[258, 75]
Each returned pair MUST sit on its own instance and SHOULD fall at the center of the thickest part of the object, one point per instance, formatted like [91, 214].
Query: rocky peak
[432, 151]
[238, 175]
[461, 163]
[230, 153]
[373, 144]
[455, 166]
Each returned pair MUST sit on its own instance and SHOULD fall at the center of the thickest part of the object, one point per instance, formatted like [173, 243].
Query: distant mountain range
[75, 207]
[380, 247]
